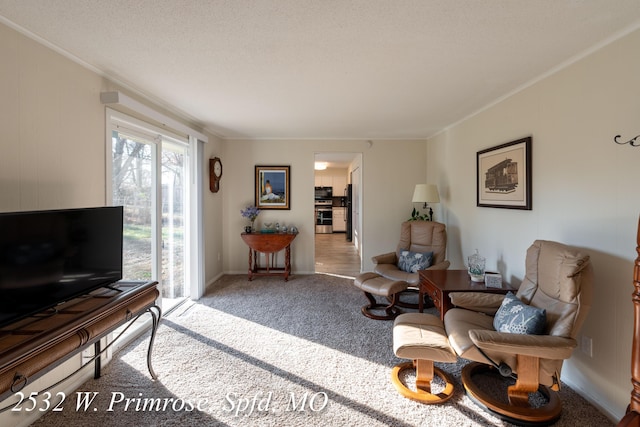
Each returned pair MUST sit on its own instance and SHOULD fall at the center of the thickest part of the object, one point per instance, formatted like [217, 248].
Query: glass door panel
[174, 219]
[133, 182]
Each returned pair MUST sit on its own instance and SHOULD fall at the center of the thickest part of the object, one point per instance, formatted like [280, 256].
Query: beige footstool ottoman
[375, 284]
[422, 338]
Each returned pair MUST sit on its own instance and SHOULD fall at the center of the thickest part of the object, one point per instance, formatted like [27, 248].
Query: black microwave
[324, 193]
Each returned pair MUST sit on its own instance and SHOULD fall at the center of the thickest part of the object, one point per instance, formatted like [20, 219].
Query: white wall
[390, 171]
[585, 193]
[213, 212]
[51, 129]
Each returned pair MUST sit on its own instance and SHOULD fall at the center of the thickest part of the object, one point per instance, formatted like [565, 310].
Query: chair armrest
[389, 258]
[477, 301]
[541, 346]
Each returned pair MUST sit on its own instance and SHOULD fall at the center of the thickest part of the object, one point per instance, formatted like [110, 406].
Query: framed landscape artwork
[272, 188]
[504, 175]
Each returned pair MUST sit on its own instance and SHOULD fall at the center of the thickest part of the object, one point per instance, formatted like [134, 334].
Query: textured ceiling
[372, 69]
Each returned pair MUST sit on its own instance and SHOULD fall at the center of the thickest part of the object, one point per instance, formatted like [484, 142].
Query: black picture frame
[503, 175]
[273, 187]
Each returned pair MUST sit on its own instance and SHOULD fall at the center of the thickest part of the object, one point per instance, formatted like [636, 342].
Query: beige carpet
[249, 353]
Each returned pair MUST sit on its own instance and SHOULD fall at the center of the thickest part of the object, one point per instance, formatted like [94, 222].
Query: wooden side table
[438, 284]
[270, 244]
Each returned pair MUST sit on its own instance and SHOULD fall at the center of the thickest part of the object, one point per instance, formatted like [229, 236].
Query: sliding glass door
[149, 178]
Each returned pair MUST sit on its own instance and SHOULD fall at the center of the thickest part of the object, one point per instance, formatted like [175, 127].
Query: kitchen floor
[334, 255]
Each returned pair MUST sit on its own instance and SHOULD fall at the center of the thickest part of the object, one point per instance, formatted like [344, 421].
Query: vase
[476, 267]
[247, 229]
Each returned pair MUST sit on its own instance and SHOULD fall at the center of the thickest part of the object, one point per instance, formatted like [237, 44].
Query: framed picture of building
[272, 187]
[504, 175]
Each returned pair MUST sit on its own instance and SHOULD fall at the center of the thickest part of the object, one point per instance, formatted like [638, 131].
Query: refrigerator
[348, 212]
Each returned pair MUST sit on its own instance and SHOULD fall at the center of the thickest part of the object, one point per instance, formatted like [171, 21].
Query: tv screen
[48, 257]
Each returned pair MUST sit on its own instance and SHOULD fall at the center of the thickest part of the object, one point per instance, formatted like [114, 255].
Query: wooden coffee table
[438, 284]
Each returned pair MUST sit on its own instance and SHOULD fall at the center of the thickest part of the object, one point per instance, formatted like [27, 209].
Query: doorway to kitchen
[334, 255]
[336, 210]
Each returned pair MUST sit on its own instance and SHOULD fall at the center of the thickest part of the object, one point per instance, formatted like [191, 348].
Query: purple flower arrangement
[250, 212]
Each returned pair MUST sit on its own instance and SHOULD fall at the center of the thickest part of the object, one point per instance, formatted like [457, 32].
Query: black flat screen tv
[48, 257]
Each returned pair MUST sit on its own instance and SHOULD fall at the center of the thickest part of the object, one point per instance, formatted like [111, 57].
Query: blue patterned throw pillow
[516, 317]
[411, 262]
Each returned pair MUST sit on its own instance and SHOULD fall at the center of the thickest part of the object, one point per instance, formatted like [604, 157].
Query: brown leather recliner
[415, 236]
[557, 279]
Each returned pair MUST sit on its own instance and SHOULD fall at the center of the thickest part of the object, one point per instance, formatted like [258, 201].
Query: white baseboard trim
[300, 273]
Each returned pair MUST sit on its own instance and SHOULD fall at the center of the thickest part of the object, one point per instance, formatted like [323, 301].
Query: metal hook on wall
[634, 142]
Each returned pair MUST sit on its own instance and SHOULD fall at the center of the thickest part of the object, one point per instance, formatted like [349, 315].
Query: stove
[324, 216]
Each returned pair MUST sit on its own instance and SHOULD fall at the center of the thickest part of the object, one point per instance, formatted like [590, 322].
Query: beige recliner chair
[555, 294]
[416, 237]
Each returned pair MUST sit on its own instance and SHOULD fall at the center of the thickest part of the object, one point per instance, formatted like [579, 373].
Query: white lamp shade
[425, 193]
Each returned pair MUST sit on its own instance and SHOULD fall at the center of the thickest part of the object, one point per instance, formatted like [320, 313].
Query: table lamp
[426, 193]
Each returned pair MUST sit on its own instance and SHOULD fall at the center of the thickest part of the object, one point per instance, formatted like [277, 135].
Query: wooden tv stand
[35, 345]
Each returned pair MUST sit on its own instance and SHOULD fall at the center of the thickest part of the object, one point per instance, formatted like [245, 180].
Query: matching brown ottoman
[375, 284]
[422, 338]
